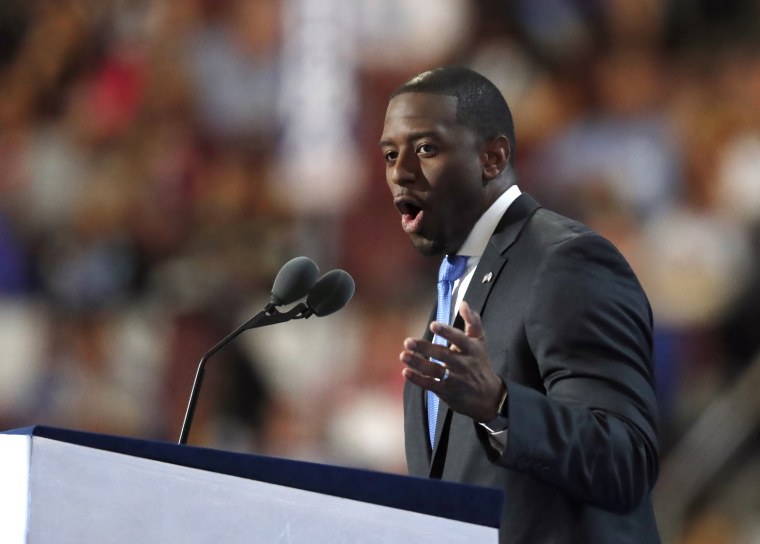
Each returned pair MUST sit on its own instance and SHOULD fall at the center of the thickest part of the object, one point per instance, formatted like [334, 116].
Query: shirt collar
[476, 242]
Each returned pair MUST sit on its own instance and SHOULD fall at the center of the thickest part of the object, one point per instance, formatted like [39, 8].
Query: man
[543, 386]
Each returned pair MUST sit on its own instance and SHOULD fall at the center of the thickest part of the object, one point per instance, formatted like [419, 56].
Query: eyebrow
[413, 136]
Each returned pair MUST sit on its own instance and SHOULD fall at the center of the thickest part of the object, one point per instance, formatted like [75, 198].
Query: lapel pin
[488, 277]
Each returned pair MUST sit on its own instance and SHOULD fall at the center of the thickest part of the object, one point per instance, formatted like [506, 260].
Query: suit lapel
[495, 256]
[489, 268]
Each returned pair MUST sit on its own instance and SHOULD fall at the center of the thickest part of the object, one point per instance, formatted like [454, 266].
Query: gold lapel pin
[488, 277]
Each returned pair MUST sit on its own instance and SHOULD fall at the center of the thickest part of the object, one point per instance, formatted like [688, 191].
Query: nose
[403, 171]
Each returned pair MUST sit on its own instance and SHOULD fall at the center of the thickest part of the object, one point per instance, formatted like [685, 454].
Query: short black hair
[480, 104]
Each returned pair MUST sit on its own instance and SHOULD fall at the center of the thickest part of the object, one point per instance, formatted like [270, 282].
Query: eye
[390, 156]
[426, 149]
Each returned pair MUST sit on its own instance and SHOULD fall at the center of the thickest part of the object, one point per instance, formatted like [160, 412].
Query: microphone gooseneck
[297, 278]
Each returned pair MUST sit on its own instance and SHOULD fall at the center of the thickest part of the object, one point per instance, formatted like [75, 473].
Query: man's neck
[477, 240]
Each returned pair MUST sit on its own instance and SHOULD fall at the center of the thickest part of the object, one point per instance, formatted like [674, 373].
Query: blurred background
[160, 160]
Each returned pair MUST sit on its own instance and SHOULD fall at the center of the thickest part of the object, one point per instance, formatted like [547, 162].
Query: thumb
[472, 325]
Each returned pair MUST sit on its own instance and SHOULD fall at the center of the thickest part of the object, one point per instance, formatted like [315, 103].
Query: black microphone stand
[268, 316]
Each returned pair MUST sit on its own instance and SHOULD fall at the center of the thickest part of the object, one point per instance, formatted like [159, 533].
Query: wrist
[500, 422]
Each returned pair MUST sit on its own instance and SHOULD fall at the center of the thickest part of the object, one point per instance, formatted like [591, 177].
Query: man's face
[434, 169]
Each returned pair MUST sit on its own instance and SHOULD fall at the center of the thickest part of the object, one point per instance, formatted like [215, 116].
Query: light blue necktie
[451, 269]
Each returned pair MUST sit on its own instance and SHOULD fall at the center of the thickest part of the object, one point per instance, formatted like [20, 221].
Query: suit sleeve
[593, 432]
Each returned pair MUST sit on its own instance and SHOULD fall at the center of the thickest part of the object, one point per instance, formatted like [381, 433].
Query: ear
[495, 155]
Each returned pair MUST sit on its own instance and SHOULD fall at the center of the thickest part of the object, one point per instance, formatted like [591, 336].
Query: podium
[73, 487]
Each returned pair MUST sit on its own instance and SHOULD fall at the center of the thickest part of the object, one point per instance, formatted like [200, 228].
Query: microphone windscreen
[294, 280]
[331, 292]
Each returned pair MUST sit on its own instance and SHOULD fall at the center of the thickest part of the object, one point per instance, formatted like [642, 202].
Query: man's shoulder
[548, 227]
[541, 219]
[532, 227]
[553, 237]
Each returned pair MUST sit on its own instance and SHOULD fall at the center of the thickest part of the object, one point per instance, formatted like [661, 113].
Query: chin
[424, 246]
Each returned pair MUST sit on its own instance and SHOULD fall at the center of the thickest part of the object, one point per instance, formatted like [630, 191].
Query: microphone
[297, 278]
[333, 291]
[293, 281]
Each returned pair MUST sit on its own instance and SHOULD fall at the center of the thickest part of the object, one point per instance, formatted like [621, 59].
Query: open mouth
[411, 214]
[407, 207]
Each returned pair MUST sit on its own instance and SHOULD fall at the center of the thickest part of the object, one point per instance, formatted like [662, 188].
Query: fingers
[425, 382]
[472, 325]
[420, 370]
[462, 341]
[460, 374]
[417, 354]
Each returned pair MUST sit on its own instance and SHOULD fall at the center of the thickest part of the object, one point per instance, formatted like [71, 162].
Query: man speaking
[535, 377]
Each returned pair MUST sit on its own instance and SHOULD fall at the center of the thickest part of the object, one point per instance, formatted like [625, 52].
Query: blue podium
[72, 487]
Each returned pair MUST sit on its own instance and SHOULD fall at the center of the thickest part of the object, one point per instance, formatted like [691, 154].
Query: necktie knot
[452, 267]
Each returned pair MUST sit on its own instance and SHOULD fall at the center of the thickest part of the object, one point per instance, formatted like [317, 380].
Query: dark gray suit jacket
[568, 328]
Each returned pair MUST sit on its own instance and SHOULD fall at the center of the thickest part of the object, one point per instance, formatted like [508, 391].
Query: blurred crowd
[161, 159]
